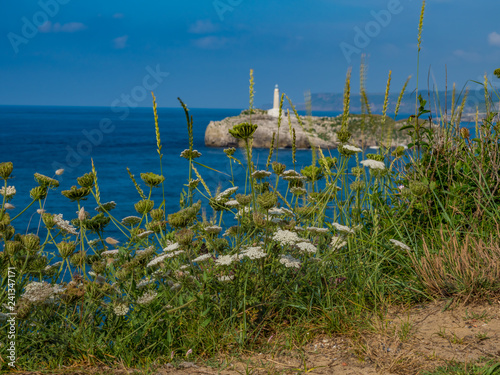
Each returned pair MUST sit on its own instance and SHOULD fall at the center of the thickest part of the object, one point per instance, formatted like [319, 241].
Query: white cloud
[70, 27]
[120, 42]
[211, 42]
[494, 39]
[203, 27]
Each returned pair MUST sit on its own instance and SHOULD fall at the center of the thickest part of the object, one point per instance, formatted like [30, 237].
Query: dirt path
[403, 342]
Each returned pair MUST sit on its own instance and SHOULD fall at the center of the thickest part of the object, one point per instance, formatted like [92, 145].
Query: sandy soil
[404, 341]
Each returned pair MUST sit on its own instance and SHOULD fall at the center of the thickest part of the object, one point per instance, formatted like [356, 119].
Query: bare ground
[404, 341]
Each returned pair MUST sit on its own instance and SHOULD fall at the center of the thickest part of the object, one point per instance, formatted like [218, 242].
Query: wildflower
[373, 164]
[226, 260]
[64, 224]
[108, 206]
[285, 237]
[45, 181]
[145, 282]
[226, 278]
[76, 194]
[337, 243]
[110, 252]
[243, 130]
[232, 203]
[145, 234]
[290, 173]
[152, 179]
[9, 192]
[226, 193]
[144, 206]
[82, 214]
[278, 168]
[202, 258]
[400, 245]
[184, 267]
[157, 260]
[317, 230]
[59, 172]
[173, 254]
[298, 191]
[352, 148]
[121, 309]
[131, 220]
[229, 151]
[307, 247]
[231, 231]
[357, 186]
[92, 243]
[189, 352]
[171, 247]
[253, 253]
[38, 193]
[38, 292]
[343, 228]
[259, 175]
[213, 229]
[147, 298]
[190, 154]
[418, 188]
[241, 211]
[288, 261]
[175, 286]
[6, 169]
[193, 183]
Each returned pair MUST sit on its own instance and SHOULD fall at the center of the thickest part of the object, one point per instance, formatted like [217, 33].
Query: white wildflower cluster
[289, 261]
[157, 260]
[55, 265]
[226, 260]
[64, 224]
[131, 220]
[171, 247]
[226, 193]
[147, 297]
[110, 253]
[261, 174]
[400, 244]
[121, 309]
[175, 286]
[373, 164]
[280, 211]
[352, 148]
[213, 229]
[173, 254]
[145, 234]
[253, 253]
[184, 267]
[307, 247]
[9, 192]
[226, 278]
[317, 230]
[290, 173]
[337, 243]
[232, 203]
[343, 228]
[298, 228]
[285, 237]
[202, 258]
[145, 282]
[145, 252]
[40, 292]
[92, 243]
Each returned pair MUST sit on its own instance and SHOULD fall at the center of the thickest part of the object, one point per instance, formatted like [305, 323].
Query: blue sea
[43, 139]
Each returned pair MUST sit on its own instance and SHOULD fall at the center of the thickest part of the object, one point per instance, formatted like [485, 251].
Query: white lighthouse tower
[276, 103]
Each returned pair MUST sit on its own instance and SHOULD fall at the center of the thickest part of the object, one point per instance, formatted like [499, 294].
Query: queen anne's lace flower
[39, 292]
[202, 258]
[317, 230]
[373, 164]
[226, 278]
[9, 192]
[171, 247]
[352, 148]
[121, 309]
[289, 261]
[343, 228]
[337, 243]
[285, 237]
[253, 253]
[145, 234]
[232, 203]
[400, 244]
[173, 254]
[110, 252]
[226, 193]
[157, 260]
[226, 260]
[64, 224]
[307, 247]
[145, 282]
[213, 229]
[147, 298]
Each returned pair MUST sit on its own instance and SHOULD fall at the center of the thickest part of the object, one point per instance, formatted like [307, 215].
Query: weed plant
[314, 250]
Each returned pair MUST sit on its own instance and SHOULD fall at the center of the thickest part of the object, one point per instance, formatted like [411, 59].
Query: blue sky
[104, 53]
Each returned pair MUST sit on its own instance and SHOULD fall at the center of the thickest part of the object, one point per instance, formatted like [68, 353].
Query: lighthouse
[276, 103]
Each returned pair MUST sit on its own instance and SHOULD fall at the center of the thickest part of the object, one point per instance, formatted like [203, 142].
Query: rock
[319, 131]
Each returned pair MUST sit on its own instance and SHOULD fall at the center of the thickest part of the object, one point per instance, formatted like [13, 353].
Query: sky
[110, 53]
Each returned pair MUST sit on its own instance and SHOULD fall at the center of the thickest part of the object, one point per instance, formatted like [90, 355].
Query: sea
[43, 139]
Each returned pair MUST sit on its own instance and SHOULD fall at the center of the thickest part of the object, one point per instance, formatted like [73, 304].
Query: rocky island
[320, 131]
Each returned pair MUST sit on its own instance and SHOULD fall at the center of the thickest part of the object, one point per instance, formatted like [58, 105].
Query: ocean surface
[43, 139]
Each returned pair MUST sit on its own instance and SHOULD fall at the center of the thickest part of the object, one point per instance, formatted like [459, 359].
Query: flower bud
[66, 249]
[31, 242]
[144, 206]
[86, 181]
[6, 169]
[38, 193]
